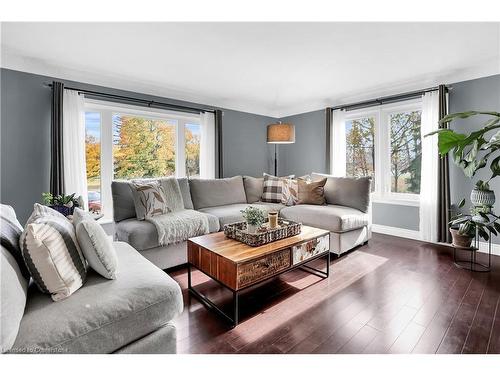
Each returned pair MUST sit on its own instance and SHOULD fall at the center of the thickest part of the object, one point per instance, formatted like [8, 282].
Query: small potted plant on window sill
[64, 204]
[254, 218]
[464, 227]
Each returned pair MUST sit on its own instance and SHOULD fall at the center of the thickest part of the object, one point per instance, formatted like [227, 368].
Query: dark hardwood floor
[391, 296]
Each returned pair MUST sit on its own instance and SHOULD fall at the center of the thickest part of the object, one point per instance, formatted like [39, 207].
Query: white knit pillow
[52, 254]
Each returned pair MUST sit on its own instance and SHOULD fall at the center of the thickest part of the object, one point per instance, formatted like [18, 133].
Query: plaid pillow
[273, 189]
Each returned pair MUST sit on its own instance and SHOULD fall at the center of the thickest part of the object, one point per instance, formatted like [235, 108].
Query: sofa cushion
[253, 188]
[104, 315]
[13, 289]
[123, 201]
[231, 213]
[186, 193]
[347, 191]
[143, 235]
[217, 192]
[330, 217]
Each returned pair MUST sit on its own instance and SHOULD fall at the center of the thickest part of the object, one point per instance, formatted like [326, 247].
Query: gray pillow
[97, 248]
[347, 191]
[13, 289]
[253, 188]
[80, 215]
[186, 193]
[123, 201]
[217, 192]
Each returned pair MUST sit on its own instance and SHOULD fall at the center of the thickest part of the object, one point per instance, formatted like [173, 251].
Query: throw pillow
[97, 248]
[289, 192]
[52, 254]
[253, 188]
[272, 190]
[11, 231]
[80, 215]
[149, 199]
[311, 192]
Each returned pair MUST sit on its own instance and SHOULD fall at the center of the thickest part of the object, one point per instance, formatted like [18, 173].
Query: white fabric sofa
[346, 215]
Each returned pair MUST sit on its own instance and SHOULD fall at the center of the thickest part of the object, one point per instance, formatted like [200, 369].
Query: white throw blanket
[179, 224]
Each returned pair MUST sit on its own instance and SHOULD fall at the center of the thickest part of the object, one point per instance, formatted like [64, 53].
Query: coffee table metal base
[234, 319]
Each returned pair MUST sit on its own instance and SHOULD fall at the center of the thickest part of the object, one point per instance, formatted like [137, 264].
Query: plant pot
[66, 211]
[481, 198]
[460, 240]
[252, 228]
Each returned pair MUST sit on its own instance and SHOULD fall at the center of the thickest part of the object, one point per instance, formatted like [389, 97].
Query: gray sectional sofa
[346, 215]
[131, 314]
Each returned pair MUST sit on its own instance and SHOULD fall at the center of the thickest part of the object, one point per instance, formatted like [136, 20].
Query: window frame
[106, 110]
[382, 142]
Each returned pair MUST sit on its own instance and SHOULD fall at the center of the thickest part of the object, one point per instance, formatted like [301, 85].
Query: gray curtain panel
[56, 139]
[328, 116]
[218, 144]
[444, 203]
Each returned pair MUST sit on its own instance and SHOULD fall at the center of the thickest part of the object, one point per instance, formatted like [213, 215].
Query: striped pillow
[52, 254]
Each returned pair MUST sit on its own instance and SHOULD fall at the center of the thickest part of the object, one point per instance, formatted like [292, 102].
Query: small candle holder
[273, 219]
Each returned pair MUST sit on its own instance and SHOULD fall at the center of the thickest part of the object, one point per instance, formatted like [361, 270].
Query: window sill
[395, 201]
[105, 220]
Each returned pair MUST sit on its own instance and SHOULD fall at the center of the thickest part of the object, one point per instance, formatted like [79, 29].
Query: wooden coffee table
[238, 266]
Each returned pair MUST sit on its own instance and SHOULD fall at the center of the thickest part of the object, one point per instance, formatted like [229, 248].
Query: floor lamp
[279, 134]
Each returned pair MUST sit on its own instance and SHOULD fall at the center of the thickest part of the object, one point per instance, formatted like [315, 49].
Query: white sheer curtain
[75, 169]
[429, 172]
[338, 144]
[207, 145]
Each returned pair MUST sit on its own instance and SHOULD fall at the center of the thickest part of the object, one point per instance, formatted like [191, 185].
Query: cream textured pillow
[52, 254]
[290, 189]
[97, 248]
[149, 199]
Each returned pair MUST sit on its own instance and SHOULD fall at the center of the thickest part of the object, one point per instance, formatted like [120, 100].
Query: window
[360, 147]
[406, 151]
[192, 139]
[385, 143]
[93, 159]
[128, 142]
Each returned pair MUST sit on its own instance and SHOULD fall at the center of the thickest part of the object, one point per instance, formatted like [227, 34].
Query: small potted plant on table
[254, 218]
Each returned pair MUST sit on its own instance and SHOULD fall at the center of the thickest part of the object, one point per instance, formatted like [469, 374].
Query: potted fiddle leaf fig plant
[254, 218]
[472, 152]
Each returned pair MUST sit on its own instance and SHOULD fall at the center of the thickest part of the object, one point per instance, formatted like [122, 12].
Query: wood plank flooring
[393, 295]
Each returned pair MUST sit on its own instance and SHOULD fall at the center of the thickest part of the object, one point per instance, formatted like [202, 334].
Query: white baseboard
[415, 235]
[394, 231]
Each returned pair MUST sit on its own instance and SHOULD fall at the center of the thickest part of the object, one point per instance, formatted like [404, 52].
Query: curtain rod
[386, 99]
[149, 103]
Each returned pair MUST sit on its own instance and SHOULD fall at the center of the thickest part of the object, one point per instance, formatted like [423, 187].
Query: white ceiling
[274, 69]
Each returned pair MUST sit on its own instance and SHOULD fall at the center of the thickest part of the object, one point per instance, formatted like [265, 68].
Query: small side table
[472, 264]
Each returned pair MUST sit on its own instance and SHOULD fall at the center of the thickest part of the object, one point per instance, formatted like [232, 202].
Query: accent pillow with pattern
[149, 199]
[52, 254]
[290, 189]
[272, 190]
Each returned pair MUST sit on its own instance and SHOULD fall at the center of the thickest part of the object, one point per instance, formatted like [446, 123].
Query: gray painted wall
[478, 94]
[396, 215]
[308, 153]
[25, 138]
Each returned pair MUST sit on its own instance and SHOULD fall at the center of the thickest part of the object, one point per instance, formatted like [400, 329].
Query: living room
[251, 188]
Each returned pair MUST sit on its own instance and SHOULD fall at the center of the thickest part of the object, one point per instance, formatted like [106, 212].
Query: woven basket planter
[480, 198]
[459, 240]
